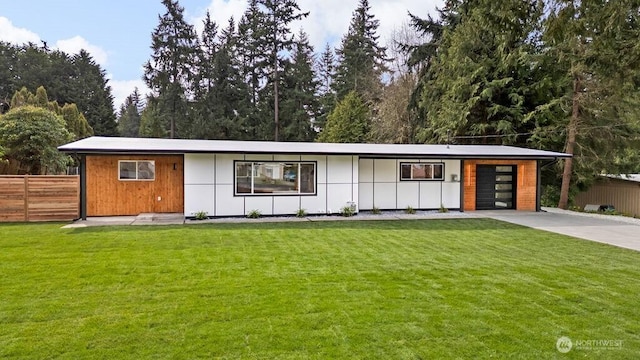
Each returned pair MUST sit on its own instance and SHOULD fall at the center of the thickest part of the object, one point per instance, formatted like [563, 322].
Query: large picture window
[144, 170]
[421, 171]
[275, 178]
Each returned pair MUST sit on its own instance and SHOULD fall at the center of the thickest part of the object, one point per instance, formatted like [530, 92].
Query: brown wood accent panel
[39, 198]
[109, 196]
[526, 182]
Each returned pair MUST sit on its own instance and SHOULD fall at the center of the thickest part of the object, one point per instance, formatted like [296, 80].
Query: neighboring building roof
[118, 145]
[627, 177]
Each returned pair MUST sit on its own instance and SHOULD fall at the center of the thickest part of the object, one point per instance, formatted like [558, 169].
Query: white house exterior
[233, 178]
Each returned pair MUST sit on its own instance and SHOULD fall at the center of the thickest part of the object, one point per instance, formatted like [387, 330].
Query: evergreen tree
[483, 79]
[130, 115]
[30, 136]
[250, 50]
[349, 122]
[169, 72]
[325, 70]
[278, 16]
[593, 45]
[151, 120]
[92, 94]
[300, 105]
[222, 91]
[361, 60]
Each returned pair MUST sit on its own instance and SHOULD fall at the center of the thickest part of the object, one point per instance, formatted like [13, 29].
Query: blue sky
[118, 32]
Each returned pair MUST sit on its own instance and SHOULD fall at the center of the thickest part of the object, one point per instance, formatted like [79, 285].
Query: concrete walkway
[614, 230]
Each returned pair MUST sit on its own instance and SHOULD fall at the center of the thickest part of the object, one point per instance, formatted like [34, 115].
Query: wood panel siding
[39, 198]
[526, 192]
[624, 195]
[109, 196]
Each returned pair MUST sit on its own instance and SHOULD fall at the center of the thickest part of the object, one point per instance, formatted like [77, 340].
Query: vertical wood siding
[623, 194]
[526, 182]
[39, 198]
[109, 196]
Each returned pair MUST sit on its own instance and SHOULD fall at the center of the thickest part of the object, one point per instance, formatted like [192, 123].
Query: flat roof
[122, 145]
[627, 177]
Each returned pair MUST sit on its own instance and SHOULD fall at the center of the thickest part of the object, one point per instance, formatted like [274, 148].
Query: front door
[495, 187]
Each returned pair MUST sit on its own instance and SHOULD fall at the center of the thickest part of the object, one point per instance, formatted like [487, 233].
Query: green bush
[443, 209]
[347, 211]
[201, 215]
[376, 210]
[410, 210]
[254, 214]
[301, 213]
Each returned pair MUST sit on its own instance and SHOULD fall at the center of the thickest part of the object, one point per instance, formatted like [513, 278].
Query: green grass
[418, 289]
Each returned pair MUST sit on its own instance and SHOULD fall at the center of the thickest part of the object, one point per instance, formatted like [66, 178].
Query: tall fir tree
[349, 122]
[361, 59]
[170, 71]
[130, 115]
[594, 49]
[278, 15]
[300, 104]
[325, 72]
[482, 83]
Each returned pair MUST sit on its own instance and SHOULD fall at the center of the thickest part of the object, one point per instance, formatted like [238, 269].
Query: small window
[421, 171]
[137, 170]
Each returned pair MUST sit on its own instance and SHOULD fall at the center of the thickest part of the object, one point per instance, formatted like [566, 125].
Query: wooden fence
[39, 197]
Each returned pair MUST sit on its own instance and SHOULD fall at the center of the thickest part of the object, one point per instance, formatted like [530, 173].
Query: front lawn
[416, 289]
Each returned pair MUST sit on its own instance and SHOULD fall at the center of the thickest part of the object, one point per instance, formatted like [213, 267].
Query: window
[137, 170]
[421, 171]
[275, 178]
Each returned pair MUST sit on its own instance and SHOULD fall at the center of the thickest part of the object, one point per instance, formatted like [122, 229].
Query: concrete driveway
[614, 230]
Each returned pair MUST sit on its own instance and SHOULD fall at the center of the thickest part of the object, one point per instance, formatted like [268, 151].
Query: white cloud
[16, 35]
[221, 11]
[329, 20]
[120, 89]
[77, 43]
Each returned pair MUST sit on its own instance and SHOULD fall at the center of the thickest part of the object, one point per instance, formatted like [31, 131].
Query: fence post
[26, 198]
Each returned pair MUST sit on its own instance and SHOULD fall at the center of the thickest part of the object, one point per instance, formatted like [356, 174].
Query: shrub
[201, 215]
[443, 209]
[254, 214]
[347, 211]
[376, 210]
[410, 210]
[301, 213]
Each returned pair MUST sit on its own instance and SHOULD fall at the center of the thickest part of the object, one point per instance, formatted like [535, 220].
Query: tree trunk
[572, 131]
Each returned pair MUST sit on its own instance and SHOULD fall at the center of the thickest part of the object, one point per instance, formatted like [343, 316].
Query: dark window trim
[421, 163]
[235, 177]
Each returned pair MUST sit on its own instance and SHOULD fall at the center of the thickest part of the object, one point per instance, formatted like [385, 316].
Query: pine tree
[130, 115]
[325, 70]
[300, 105]
[349, 122]
[92, 94]
[361, 60]
[482, 83]
[278, 16]
[593, 45]
[169, 72]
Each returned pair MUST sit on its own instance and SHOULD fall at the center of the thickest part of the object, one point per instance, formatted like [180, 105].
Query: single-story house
[621, 191]
[129, 176]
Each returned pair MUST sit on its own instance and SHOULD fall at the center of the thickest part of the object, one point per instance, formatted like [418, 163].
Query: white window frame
[137, 162]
